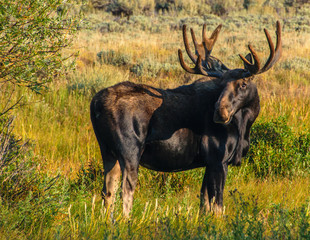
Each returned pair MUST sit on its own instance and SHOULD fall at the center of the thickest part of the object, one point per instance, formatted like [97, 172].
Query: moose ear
[249, 58]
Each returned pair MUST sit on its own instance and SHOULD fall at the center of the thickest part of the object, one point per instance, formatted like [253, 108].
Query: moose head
[239, 86]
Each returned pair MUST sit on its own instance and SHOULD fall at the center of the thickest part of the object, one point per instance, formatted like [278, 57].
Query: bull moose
[203, 124]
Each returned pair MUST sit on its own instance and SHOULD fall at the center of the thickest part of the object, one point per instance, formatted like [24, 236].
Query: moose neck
[193, 104]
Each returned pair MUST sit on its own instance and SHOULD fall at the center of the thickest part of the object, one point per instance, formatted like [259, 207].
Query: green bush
[89, 179]
[111, 26]
[277, 151]
[276, 222]
[296, 64]
[151, 69]
[33, 35]
[113, 58]
[15, 178]
[27, 197]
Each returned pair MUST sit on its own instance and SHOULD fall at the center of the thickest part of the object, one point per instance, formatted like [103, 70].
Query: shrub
[150, 69]
[32, 38]
[120, 8]
[89, 178]
[296, 64]
[15, 180]
[99, 4]
[249, 3]
[277, 151]
[164, 5]
[29, 199]
[246, 222]
[110, 27]
[275, 222]
[113, 58]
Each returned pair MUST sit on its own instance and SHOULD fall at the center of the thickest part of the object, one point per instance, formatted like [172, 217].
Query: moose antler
[205, 64]
[275, 54]
[208, 65]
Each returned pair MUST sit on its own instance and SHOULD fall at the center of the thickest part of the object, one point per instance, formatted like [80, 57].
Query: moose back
[204, 124]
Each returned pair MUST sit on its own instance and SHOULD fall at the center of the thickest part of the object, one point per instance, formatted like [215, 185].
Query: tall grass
[257, 210]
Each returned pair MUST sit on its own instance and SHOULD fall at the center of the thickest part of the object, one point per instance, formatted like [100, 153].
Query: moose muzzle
[223, 113]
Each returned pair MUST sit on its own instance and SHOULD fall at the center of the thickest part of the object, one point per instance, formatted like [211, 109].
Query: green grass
[61, 170]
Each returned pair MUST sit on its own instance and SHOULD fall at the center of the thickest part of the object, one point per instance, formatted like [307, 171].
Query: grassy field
[268, 197]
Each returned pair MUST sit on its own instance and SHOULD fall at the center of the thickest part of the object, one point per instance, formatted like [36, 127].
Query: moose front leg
[213, 187]
[204, 199]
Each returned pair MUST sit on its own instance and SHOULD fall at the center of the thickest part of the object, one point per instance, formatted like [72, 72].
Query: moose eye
[243, 85]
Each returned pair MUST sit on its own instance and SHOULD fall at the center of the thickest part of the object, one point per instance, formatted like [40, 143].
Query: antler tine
[253, 68]
[275, 54]
[209, 42]
[196, 70]
[183, 64]
[194, 39]
[186, 44]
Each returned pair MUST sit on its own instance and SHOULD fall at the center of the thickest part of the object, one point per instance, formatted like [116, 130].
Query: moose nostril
[221, 116]
[224, 111]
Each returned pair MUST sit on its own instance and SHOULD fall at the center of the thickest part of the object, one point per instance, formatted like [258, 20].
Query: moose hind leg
[112, 172]
[130, 178]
